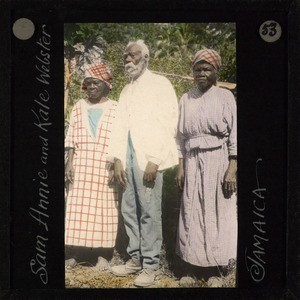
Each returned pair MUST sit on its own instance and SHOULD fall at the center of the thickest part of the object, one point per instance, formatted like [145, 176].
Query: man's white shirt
[148, 109]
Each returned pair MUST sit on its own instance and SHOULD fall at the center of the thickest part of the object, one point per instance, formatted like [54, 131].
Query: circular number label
[270, 31]
[23, 29]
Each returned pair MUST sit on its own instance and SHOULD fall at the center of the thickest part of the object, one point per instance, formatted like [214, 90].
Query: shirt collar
[198, 93]
[141, 77]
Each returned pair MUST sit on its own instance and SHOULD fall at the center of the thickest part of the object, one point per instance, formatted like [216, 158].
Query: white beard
[134, 71]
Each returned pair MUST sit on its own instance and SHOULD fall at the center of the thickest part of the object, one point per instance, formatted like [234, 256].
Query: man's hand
[119, 173]
[111, 176]
[150, 172]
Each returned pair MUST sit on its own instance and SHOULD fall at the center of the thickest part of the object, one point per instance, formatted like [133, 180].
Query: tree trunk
[67, 84]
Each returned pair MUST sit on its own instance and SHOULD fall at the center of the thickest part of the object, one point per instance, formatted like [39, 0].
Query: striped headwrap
[99, 71]
[208, 55]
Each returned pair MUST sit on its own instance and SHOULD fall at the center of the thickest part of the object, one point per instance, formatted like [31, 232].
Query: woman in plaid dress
[91, 210]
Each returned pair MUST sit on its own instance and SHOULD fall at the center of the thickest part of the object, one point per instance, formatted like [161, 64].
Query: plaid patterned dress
[91, 209]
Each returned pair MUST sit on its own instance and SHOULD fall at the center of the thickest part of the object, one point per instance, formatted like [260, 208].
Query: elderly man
[143, 142]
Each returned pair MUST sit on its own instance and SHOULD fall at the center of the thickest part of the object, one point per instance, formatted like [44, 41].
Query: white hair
[144, 48]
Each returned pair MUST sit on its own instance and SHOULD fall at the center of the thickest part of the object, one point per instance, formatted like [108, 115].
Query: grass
[83, 276]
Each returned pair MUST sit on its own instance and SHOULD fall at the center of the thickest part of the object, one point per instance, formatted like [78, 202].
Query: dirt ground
[83, 276]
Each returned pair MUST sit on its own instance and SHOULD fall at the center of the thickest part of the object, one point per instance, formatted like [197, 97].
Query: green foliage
[171, 45]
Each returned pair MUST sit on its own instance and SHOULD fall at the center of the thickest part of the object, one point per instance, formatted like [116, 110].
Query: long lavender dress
[207, 234]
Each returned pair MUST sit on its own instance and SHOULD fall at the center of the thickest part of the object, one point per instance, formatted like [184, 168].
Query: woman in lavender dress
[207, 233]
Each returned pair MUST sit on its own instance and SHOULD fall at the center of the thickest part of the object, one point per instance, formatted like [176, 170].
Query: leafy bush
[172, 47]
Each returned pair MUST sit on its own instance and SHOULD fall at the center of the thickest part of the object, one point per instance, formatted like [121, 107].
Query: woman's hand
[119, 173]
[179, 179]
[69, 172]
[230, 182]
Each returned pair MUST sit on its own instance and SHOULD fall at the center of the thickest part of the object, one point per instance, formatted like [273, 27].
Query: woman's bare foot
[102, 264]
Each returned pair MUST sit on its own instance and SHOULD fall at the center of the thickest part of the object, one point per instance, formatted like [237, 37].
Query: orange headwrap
[210, 56]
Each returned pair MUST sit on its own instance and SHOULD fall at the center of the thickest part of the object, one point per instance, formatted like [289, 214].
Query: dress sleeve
[231, 119]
